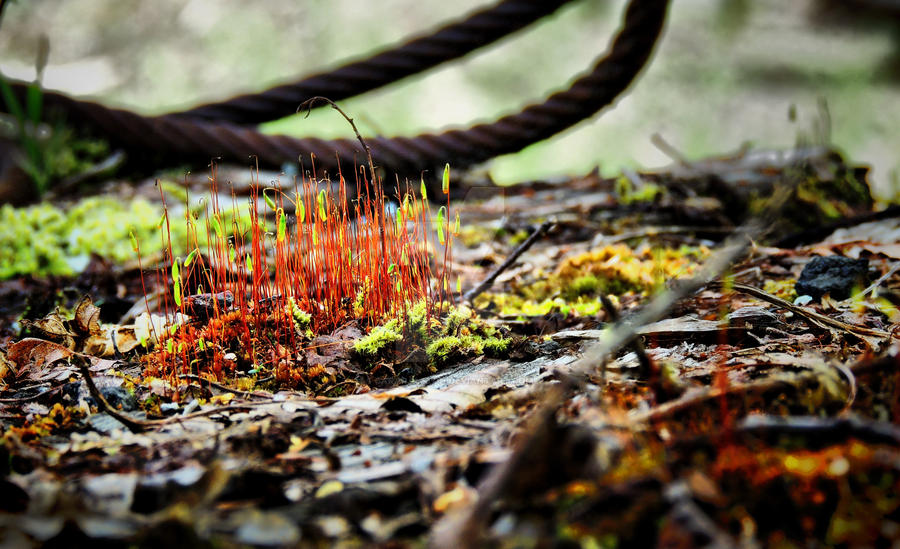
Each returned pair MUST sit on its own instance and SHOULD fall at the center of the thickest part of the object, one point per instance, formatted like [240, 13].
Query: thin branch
[141, 425]
[818, 319]
[206, 383]
[308, 104]
[523, 247]
[648, 368]
[669, 150]
[880, 281]
[133, 425]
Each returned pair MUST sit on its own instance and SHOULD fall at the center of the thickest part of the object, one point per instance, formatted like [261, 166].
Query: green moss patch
[456, 335]
[576, 285]
[49, 240]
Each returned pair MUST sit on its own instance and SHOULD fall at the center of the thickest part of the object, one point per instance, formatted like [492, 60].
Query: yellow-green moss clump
[458, 334]
[781, 288]
[379, 341]
[576, 285]
[68, 154]
[47, 240]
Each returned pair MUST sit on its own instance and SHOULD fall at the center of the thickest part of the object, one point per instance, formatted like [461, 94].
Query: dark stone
[116, 395]
[835, 275]
[169, 408]
[120, 398]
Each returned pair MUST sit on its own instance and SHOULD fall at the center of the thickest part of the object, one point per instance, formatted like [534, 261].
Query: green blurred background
[726, 73]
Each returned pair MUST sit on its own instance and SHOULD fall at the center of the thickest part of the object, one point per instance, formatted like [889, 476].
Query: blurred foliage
[724, 74]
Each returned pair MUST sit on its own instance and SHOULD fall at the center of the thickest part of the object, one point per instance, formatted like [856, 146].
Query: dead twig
[509, 261]
[209, 383]
[133, 425]
[880, 281]
[851, 382]
[648, 368]
[702, 397]
[141, 425]
[36, 396]
[708, 396]
[820, 320]
[669, 150]
[308, 104]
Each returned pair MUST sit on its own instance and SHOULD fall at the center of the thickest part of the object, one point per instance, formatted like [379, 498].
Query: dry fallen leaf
[35, 359]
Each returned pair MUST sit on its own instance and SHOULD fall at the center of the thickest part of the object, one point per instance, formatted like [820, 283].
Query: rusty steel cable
[159, 141]
[356, 77]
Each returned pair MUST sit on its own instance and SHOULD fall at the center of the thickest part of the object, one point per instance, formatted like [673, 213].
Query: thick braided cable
[154, 142]
[416, 55]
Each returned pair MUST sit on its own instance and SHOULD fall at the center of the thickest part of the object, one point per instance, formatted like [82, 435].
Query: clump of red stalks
[299, 262]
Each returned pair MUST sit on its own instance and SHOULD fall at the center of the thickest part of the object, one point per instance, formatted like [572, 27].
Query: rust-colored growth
[306, 260]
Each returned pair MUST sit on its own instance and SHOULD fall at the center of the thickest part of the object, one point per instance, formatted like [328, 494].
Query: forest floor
[670, 377]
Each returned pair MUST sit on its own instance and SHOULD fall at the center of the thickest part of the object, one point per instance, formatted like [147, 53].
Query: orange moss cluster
[309, 260]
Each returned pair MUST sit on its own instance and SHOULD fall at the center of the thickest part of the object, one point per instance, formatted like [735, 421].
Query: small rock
[835, 275]
[105, 423]
[266, 530]
[169, 408]
[120, 398]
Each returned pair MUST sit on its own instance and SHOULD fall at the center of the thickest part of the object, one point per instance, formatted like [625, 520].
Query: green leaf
[439, 224]
[422, 188]
[269, 201]
[445, 181]
[300, 210]
[231, 253]
[12, 104]
[249, 263]
[282, 225]
[34, 102]
[323, 215]
[217, 226]
[190, 257]
[176, 282]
